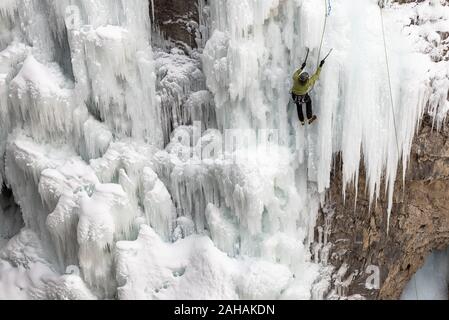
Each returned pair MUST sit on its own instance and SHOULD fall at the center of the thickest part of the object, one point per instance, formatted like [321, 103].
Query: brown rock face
[177, 20]
[419, 220]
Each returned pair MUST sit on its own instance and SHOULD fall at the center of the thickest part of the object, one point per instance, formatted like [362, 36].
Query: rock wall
[176, 20]
[419, 220]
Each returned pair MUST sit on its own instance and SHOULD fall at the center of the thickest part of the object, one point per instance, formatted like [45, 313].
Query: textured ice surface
[68, 287]
[193, 268]
[248, 66]
[431, 282]
[182, 91]
[120, 161]
[24, 267]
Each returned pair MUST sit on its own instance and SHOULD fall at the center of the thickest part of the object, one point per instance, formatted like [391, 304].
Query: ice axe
[307, 55]
[330, 51]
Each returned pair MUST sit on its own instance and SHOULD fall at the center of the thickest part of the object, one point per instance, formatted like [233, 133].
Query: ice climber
[302, 84]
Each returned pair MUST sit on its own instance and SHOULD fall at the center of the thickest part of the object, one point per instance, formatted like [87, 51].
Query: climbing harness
[381, 6]
[327, 11]
[301, 99]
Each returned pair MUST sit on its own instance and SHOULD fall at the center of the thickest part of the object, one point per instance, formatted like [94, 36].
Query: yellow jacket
[301, 89]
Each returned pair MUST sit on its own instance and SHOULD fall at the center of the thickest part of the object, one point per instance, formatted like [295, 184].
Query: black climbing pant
[299, 100]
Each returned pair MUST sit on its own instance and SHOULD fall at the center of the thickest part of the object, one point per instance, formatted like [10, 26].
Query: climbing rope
[381, 6]
[389, 80]
[327, 12]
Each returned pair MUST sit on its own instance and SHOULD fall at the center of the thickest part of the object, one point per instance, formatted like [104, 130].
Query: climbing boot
[303, 123]
[311, 120]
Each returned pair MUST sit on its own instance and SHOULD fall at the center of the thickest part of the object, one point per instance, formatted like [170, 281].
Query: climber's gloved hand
[322, 63]
[303, 65]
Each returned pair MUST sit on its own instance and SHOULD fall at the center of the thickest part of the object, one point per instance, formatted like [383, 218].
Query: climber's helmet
[304, 77]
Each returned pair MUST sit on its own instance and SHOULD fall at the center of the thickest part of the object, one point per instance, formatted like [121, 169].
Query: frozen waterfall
[146, 173]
